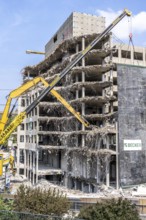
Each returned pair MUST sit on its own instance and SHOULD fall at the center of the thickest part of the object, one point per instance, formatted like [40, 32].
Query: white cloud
[139, 22]
[135, 24]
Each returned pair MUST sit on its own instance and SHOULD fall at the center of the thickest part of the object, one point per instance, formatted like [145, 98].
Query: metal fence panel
[12, 215]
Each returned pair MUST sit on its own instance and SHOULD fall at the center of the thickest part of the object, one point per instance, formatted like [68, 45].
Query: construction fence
[75, 208]
[12, 215]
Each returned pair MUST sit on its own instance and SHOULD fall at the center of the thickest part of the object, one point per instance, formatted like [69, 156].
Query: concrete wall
[128, 55]
[76, 24]
[132, 123]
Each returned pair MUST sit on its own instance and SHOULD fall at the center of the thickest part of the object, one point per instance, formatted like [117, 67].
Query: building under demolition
[52, 143]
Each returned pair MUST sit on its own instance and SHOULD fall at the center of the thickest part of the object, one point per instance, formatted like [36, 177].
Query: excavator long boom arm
[5, 133]
[24, 88]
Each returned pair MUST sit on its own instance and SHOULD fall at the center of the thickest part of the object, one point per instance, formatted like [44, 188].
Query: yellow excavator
[5, 116]
[6, 130]
[23, 89]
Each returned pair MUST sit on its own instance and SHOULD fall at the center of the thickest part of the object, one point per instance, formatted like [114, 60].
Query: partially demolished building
[51, 142]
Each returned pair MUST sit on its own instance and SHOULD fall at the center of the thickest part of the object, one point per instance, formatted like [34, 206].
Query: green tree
[6, 206]
[38, 201]
[120, 209]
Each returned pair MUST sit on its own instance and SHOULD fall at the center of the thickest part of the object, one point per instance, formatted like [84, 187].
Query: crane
[6, 132]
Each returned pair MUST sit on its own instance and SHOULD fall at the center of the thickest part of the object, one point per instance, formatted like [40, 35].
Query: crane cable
[131, 40]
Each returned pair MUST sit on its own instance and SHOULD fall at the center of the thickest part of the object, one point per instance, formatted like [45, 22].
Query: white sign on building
[132, 145]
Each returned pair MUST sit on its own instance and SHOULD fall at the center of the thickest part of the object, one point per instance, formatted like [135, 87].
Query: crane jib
[76, 60]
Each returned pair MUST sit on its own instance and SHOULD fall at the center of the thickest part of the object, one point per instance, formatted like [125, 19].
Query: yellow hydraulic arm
[4, 134]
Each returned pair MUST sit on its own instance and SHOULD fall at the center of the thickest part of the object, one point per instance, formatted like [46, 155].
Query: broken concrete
[85, 157]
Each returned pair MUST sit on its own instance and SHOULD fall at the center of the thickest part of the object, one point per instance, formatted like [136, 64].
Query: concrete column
[77, 78]
[111, 105]
[107, 174]
[111, 75]
[117, 158]
[65, 179]
[30, 165]
[98, 171]
[37, 160]
[27, 161]
[27, 164]
[18, 160]
[82, 186]
[75, 183]
[107, 142]
[107, 164]
[88, 168]
[77, 91]
[33, 168]
[83, 91]
[24, 162]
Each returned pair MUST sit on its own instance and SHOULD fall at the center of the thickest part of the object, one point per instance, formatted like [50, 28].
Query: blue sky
[29, 24]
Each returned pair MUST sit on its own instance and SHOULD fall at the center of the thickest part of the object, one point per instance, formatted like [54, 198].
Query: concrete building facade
[52, 144]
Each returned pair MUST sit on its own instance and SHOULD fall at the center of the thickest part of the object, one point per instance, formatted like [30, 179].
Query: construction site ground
[131, 192]
[136, 194]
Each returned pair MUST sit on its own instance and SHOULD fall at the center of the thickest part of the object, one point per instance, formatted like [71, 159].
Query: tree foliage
[38, 201]
[6, 206]
[120, 209]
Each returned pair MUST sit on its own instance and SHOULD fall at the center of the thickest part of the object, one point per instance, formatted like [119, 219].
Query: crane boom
[77, 59]
[19, 118]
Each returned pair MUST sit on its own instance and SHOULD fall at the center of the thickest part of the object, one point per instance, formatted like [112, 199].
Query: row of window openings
[111, 141]
[127, 55]
[29, 126]
[29, 138]
[28, 101]
[32, 113]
